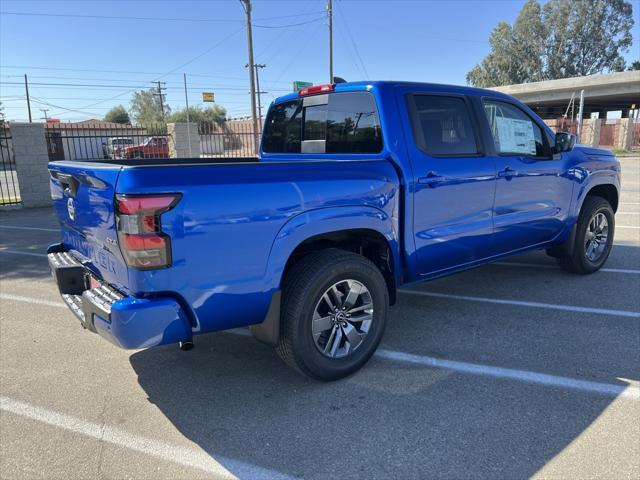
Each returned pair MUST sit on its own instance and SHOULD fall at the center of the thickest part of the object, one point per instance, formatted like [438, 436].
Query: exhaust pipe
[186, 345]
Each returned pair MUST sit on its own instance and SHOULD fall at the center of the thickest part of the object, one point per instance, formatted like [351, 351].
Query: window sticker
[516, 136]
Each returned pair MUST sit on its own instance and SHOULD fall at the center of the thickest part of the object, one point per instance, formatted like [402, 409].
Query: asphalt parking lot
[507, 371]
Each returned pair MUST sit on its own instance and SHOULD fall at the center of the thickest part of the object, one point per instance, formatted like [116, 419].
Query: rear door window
[346, 122]
[442, 125]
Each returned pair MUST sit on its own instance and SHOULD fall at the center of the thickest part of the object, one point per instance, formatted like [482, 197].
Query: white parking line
[628, 226]
[220, 467]
[16, 227]
[16, 252]
[463, 367]
[37, 301]
[555, 267]
[525, 376]
[626, 391]
[519, 303]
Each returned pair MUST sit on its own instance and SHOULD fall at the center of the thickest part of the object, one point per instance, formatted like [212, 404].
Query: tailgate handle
[69, 182]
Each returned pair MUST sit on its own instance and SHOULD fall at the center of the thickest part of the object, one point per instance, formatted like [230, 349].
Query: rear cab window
[442, 125]
[339, 122]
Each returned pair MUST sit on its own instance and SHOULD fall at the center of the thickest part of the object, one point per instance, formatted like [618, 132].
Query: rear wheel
[593, 239]
[334, 312]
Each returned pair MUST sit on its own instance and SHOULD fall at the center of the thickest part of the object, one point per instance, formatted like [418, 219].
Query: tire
[582, 260]
[303, 297]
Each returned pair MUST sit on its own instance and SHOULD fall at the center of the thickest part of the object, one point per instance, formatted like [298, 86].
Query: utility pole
[44, 111]
[186, 101]
[246, 4]
[161, 87]
[580, 114]
[26, 88]
[259, 92]
[330, 15]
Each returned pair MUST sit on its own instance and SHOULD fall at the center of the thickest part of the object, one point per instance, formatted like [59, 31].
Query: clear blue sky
[422, 40]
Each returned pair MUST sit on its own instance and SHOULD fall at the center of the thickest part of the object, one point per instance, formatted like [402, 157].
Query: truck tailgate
[83, 197]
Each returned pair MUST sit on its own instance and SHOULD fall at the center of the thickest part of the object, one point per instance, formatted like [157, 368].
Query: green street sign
[298, 85]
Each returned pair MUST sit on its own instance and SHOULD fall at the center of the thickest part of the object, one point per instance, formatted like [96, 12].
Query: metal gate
[9, 191]
[54, 145]
[607, 134]
[97, 140]
[227, 140]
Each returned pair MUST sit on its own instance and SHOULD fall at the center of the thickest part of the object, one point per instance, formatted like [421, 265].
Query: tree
[564, 38]
[146, 107]
[634, 65]
[215, 114]
[117, 115]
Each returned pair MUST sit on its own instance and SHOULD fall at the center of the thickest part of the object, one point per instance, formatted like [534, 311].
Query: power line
[94, 79]
[291, 24]
[179, 67]
[22, 67]
[355, 46]
[350, 51]
[119, 17]
[141, 87]
[43, 102]
[296, 56]
[161, 19]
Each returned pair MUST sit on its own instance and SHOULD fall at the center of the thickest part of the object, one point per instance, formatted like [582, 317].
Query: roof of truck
[369, 85]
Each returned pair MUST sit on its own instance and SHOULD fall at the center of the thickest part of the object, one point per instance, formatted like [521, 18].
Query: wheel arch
[365, 230]
[371, 244]
[608, 191]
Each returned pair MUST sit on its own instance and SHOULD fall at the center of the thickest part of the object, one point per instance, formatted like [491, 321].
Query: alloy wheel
[342, 318]
[595, 241]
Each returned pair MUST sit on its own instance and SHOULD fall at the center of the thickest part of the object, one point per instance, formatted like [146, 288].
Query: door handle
[508, 173]
[432, 179]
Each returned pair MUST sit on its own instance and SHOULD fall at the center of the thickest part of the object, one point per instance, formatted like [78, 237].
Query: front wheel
[593, 239]
[334, 312]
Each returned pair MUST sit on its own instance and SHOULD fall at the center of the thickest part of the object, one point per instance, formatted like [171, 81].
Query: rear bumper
[128, 322]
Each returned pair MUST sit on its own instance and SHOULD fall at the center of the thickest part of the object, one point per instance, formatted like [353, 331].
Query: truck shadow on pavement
[234, 398]
[25, 267]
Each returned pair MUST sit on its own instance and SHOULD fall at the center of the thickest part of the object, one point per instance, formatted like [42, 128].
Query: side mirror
[564, 142]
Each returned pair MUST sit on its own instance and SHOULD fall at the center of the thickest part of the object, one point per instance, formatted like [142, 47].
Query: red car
[152, 147]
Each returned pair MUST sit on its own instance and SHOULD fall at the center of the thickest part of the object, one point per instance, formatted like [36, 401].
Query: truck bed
[169, 162]
[234, 221]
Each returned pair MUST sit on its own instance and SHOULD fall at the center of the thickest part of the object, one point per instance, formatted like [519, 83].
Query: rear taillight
[143, 243]
[303, 92]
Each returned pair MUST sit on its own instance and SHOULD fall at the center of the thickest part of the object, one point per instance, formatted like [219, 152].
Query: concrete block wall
[624, 135]
[596, 125]
[31, 159]
[181, 137]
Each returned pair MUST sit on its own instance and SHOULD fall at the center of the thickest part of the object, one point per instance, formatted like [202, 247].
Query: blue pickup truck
[360, 189]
